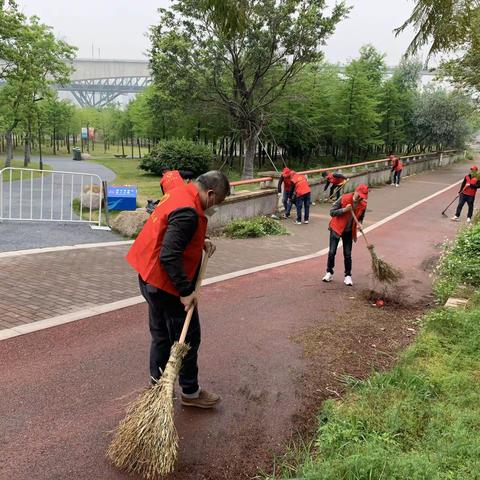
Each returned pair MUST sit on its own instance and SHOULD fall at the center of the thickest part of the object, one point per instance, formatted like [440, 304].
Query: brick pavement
[45, 285]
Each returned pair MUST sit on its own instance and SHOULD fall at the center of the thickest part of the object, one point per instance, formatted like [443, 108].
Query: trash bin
[77, 154]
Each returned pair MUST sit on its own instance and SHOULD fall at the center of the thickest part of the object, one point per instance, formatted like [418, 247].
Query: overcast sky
[116, 28]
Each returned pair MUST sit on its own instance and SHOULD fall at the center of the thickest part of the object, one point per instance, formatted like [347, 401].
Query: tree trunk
[123, 148]
[26, 160]
[9, 141]
[139, 150]
[251, 140]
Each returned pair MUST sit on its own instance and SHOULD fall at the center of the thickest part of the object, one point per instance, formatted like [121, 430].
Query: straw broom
[334, 194]
[146, 440]
[382, 271]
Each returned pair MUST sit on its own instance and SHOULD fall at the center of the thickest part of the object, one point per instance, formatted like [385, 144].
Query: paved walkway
[26, 235]
[41, 286]
[275, 345]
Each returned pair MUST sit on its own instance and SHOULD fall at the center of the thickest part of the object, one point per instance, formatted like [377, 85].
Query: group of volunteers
[168, 252]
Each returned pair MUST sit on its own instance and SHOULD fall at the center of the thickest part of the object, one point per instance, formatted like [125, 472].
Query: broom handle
[359, 226]
[188, 318]
[342, 186]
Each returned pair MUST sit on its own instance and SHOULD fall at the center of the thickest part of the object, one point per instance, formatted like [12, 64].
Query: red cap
[286, 171]
[362, 190]
[474, 168]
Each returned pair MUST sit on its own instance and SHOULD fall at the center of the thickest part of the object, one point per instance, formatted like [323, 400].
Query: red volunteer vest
[144, 254]
[170, 180]
[471, 192]
[334, 180]
[287, 183]
[301, 185]
[338, 224]
[397, 164]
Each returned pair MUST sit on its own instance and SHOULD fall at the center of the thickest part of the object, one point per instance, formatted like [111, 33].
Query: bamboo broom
[146, 440]
[340, 190]
[382, 271]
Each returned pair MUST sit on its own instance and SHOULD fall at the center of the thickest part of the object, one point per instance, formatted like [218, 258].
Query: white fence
[47, 196]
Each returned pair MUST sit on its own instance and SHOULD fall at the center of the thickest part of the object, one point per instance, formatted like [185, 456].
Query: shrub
[254, 227]
[460, 264]
[178, 154]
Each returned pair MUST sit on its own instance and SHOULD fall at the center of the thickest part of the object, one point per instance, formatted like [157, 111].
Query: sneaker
[204, 400]
[348, 281]
[397, 185]
[296, 222]
[455, 218]
[285, 216]
[306, 221]
[469, 220]
[328, 277]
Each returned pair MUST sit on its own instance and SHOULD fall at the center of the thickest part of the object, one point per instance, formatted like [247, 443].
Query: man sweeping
[335, 181]
[397, 167]
[467, 193]
[167, 254]
[174, 178]
[300, 189]
[287, 184]
[343, 227]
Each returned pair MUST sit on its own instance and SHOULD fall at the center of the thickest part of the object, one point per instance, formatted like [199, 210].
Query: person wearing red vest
[336, 180]
[467, 193]
[343, 227]
[167, 255]
[397, 167]
[287, 184]
[301, 189]
[174, 178]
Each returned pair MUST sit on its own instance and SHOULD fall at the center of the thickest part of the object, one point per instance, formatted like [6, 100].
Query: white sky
[116, 28]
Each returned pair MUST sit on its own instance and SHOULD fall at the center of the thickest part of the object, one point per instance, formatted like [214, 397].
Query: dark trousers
[396, 177]
[469, 200]
[347, 241]
[287, 204]
[305, 201]
[166, 317]
[332, 190]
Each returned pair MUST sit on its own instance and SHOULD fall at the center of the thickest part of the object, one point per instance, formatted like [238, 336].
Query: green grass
[254, 227]
[16, 175]
[421, 419]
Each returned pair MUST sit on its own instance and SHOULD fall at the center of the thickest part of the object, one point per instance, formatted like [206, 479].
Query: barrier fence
[48, 196]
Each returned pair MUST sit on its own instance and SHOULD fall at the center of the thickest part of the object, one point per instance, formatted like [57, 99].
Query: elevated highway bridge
[97, 82]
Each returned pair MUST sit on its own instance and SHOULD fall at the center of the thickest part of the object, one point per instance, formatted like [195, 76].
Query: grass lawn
[420, 420]
[26, 175]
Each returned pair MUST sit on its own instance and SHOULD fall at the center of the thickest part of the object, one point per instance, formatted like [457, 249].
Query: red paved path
[61, 388]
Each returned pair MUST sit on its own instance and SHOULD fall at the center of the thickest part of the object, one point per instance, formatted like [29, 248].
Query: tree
[244, 71]
[36, 61]
[449, 26]
[359, 116]
[441, 119]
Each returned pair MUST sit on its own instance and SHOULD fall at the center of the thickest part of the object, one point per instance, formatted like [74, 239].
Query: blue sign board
[122, 197]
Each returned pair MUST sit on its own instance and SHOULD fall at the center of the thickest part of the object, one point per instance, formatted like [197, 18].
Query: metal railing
[47, 195]
[352, 167]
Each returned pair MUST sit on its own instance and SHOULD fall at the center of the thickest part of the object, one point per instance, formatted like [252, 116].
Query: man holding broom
[344, 227]
[336, 180]
[467, 193]
[167, 254]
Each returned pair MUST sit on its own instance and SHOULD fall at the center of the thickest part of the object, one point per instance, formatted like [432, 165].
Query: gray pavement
[33, 199]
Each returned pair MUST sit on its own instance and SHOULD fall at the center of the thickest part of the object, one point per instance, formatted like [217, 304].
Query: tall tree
[245, 71]
[38, 60]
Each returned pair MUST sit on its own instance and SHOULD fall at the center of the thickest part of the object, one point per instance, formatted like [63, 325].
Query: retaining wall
[265, 201]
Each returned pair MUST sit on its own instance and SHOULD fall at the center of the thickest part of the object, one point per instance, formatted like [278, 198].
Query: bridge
[97, 82]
